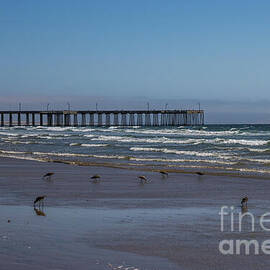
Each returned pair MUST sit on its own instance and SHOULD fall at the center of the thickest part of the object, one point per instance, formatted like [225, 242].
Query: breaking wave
[242, 148]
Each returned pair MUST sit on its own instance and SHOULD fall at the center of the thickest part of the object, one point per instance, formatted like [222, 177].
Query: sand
[168, 223]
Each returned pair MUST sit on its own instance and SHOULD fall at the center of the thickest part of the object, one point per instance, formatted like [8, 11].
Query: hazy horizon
[216, 111]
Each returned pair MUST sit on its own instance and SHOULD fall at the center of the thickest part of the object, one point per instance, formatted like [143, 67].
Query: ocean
[222, 149]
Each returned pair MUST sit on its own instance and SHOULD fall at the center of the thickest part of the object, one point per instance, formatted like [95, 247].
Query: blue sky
[186, 50]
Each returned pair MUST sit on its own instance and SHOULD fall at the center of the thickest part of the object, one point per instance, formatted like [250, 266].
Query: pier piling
[75, 120]
[19, 118]
[115, 119]
[33, 119]
[2, 119]
[27, 119]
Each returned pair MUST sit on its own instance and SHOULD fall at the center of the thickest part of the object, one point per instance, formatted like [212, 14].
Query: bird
[48, 175]
[199, 173]
[143, 179]
[96, 178]
[164, 173]
[40, 200]
[244, 201]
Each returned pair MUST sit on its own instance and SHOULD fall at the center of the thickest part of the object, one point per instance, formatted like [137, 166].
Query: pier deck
[102, 118]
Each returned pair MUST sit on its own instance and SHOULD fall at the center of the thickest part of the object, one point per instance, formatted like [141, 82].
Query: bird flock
[39, 201]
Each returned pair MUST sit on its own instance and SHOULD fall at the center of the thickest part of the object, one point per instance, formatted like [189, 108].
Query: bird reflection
[39, 211]
[96, 179]
[164, 174]
[244, 201]
[143, 179]
[48, 176]
[244, 209]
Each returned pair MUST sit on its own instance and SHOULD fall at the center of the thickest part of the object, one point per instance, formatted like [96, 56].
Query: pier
[83, 118]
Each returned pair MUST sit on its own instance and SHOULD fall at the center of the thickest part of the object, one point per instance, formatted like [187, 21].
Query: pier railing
[102, 118]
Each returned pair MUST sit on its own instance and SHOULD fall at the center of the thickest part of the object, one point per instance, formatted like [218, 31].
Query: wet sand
[119, 224]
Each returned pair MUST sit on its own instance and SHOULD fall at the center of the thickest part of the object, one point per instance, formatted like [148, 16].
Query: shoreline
[143, 167]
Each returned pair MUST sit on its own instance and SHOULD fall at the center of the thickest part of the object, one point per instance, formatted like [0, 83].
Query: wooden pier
[102, 118]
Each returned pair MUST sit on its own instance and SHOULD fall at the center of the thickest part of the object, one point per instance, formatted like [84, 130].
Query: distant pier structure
[84, 118]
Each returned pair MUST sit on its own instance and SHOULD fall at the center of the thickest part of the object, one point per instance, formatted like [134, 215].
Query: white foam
[83, 129]
[258, 150]
[46, 137]
[182, 160]
[61, 129]
[78, 155]
[21, 142]
[30, 135]
[89, 135]
[74, 144]
[204, 132]
[179, 152]
[184, 131]
[60, 154]
[93, 145]
[163, 140]
[110, 156]
[13, 152]
[22, 157]
[9, 134]
[264, 161]
[243, 142]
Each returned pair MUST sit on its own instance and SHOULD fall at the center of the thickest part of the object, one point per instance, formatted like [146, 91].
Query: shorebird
[244, 201]
[96, 178]
[199, 173]
[48, 175]
[164, 173]
[143, 179]
[39, 200]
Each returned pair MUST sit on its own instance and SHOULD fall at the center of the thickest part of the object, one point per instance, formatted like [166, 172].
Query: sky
[126, 53]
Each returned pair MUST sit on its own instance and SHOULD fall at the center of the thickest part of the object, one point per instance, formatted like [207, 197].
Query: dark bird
[164, 173]
[39, 200]
[96, 178]
[143, 179]
[48, 175]
[244, 201]
[199, 173]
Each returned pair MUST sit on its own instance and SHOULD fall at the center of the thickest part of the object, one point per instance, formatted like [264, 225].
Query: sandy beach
[168, 223]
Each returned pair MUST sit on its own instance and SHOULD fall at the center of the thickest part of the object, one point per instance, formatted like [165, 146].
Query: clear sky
[198, 50]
